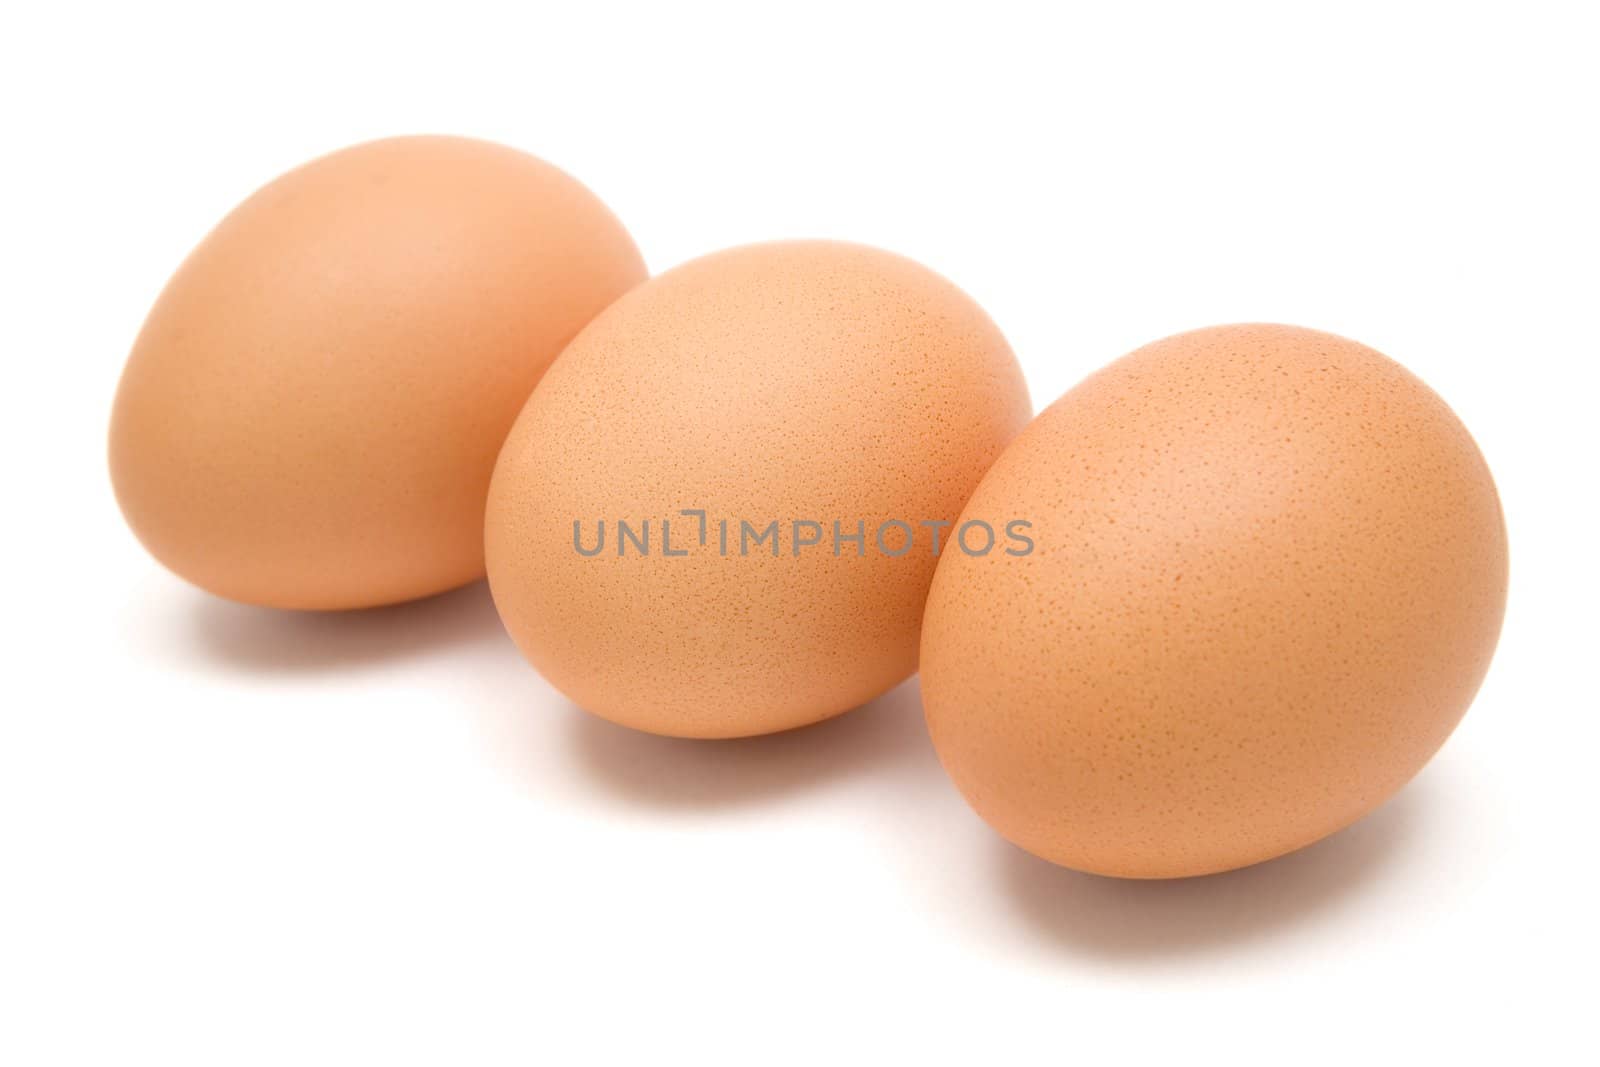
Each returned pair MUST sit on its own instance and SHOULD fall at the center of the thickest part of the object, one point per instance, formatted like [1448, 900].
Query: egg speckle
[1269, 576]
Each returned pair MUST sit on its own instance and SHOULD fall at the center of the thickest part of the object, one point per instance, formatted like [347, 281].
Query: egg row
[1218, 601]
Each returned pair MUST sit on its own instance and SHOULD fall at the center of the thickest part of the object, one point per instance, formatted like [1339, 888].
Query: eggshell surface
[811, 381]
[1269, 574]
[311, 413]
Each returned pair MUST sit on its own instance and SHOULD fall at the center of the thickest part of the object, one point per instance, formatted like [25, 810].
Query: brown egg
[1268, 575]
[311, 413]
[661, 527]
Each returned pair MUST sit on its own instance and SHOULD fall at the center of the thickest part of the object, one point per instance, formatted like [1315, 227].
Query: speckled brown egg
[1268, 575]
[715, 517]
[310, 416]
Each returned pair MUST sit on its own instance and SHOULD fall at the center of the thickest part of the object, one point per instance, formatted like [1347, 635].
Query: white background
[236, 837]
